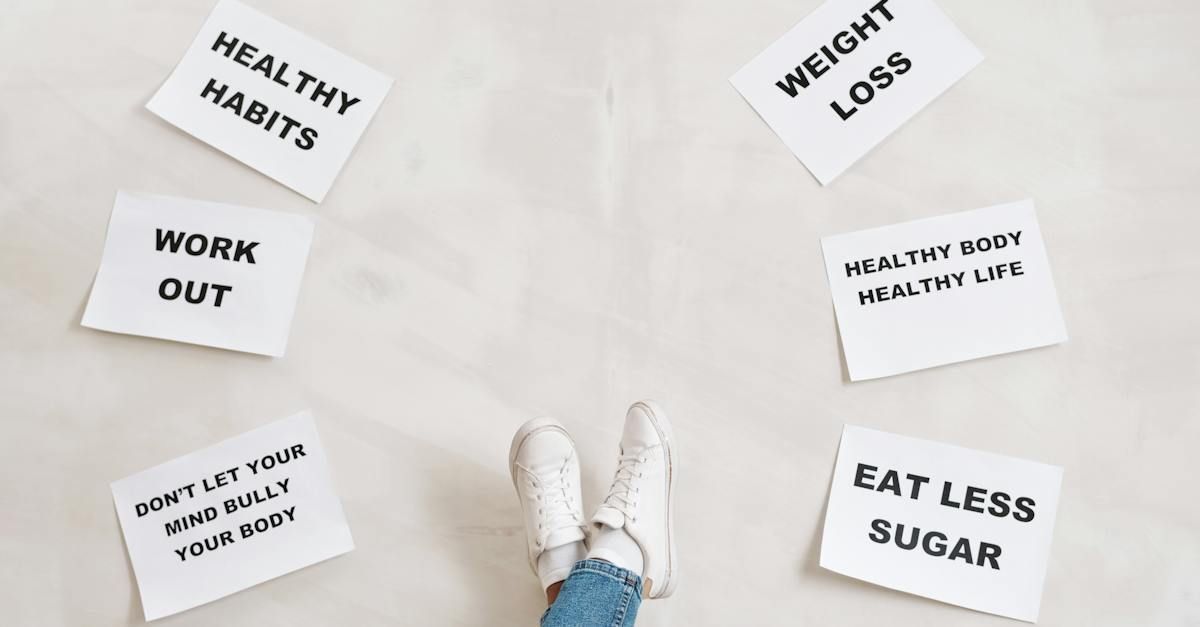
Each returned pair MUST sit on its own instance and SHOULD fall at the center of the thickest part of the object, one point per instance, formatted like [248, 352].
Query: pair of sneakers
[631, 528]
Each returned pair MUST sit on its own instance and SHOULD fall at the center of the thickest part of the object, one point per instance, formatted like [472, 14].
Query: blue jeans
[596, 594]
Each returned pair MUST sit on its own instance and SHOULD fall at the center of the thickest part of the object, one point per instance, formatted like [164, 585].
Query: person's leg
[545, 473]
[633, 526]
[634, 550]
[552, 591]
[597, 594]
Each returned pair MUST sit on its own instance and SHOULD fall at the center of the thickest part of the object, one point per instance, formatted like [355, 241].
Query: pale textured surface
[562, 207]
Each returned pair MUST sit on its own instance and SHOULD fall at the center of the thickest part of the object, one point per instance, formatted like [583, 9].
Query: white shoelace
[555, 501]
[623, 495]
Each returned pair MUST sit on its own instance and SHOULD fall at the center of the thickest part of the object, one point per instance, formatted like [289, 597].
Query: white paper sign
[271, 97]
[200, 272]
[942, 290]
[233, 515]
[850, 74]
[944, 522]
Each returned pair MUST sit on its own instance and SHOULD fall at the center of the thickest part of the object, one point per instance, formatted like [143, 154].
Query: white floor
[563, 207]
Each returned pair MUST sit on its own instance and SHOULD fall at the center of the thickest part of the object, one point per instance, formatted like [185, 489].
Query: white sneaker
[640, 499]
[545, 472]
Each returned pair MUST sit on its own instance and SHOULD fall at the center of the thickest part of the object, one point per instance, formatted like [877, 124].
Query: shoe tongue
[563, 537]
[609, 517]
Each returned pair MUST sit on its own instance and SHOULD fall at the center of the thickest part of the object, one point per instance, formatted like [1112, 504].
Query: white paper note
[850, 74]
[944, 522]
[271, 97]
[942, 290]
[233, 515]
[200, 272]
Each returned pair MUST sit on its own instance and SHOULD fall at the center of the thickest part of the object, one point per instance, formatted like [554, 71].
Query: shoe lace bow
[555, 501]
[625, 491]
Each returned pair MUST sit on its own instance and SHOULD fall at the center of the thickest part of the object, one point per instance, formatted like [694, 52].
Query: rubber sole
[662, 425]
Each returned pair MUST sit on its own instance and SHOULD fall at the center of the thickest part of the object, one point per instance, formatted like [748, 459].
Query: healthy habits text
[276, 71]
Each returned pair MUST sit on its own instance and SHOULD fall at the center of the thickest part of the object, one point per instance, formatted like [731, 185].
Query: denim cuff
[608, 569]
